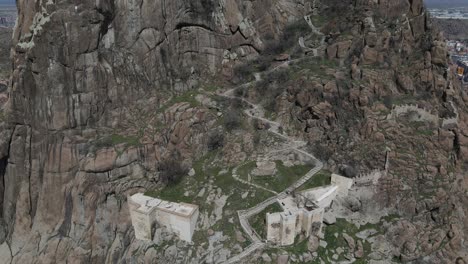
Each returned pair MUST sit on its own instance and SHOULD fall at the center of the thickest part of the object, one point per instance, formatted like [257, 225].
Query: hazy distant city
[444, 9]
[450, 13]
[8, 15]
[448, 9]
[446, 3]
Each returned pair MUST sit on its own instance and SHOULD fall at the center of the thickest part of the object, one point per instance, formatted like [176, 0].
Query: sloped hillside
[109, 98]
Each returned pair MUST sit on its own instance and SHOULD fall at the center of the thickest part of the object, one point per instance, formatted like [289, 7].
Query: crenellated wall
[423, 115]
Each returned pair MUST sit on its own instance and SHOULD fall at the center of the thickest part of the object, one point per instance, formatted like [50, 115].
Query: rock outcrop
[90, 115]
[384, 56]
[92, 111]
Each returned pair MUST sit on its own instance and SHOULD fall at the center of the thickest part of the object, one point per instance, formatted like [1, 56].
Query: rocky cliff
[104, 91]
[387, 56]
[87, 120]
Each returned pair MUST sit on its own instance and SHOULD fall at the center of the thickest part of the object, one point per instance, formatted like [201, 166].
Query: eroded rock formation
[90, 114]
[84, 120]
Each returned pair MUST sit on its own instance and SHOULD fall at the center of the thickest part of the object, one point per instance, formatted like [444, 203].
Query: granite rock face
[86, 117]
[393, 58]
[90, 116]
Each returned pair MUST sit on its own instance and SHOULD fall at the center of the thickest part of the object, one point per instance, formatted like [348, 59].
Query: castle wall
[288, 228]
[299, 221]
[193, 223]
[343, 184]
[368, 179]
[424, 115]
[326, 200]
[303, 213]
[142, 223]
[273, 222]
[177, 218]
[322, 196]
[312, 221]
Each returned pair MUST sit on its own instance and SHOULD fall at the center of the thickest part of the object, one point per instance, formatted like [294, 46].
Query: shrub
[215, 140]
[240, 92]
[322, 152]
[232, 119]
[203, 9]
[257, 138]
[289, 38]
[273, 47]
[236, 104]
[260, 125]
[242, 71]
[280, 76]
[348, 171]
[270, 105]
[388, 101]
[171, 171]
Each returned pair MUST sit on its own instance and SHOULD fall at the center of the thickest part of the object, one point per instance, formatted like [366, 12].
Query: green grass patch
[208, 172]
[298, 248]
[187, 97]
[211, 87]
[425, 132]
[176, 192]
[422, 128]
[391, 218]
[322, 178]
[128, 140]
[314, 66]
[116, 139]
[318, 21]
[258, 221]
[245, 169]
[284, 177]
[404, 99]
[340, 227]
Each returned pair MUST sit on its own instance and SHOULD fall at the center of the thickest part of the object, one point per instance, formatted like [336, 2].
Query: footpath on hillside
[256, 112]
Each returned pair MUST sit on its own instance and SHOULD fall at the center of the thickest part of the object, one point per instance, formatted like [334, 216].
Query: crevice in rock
[258, 50]
[29, 146]
[108, 18]
[183, 25]
[238, 31]
[3, 168]
[457, 144]
[66, 224]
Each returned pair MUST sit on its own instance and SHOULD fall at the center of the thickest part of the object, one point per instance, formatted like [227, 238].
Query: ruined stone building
[303, 212]
[283, 227]
[145, 212]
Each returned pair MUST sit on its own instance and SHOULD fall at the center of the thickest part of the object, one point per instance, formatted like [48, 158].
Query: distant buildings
[449, 13]
[462, 69]
[8, 16]
[459, 55]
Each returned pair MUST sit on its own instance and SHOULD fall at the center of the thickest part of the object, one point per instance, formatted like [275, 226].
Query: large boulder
[439, 53]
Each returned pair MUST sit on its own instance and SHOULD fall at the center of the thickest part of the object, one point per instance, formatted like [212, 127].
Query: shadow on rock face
[3, 87]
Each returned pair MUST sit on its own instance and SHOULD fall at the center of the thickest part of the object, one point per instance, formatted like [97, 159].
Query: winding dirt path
[257, 112]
